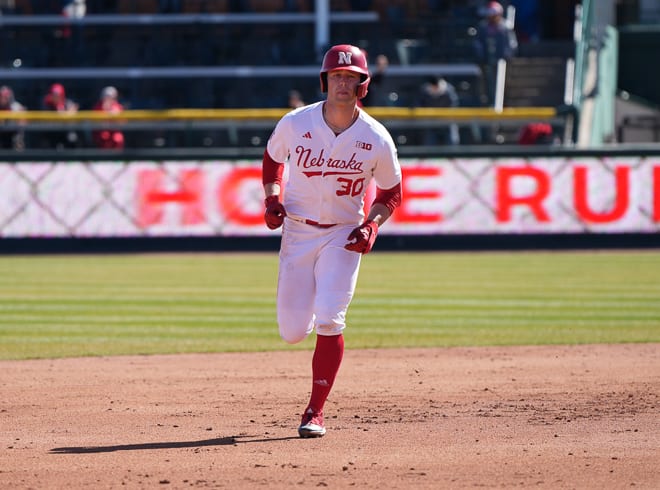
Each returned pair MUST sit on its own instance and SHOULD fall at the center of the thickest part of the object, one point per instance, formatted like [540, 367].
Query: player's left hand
[362, 238]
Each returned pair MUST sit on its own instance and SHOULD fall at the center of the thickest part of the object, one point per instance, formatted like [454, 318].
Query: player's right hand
[275, 212]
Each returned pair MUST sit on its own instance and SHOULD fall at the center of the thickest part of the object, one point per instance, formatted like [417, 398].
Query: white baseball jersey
[328, 175]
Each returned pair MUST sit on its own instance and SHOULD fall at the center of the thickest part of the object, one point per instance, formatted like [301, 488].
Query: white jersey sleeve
[327, 175]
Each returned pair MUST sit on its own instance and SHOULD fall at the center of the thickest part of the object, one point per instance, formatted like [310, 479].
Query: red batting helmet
[346, 57]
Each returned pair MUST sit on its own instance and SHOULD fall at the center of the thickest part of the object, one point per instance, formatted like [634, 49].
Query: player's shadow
[219, 441]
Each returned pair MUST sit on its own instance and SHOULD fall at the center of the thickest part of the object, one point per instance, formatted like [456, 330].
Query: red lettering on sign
[656, 194]
[231, 196]
[505, 200]
[580, 196]
[152, 198]
[404, 214]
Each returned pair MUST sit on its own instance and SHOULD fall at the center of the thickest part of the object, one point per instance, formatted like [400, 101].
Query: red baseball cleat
[311, 424]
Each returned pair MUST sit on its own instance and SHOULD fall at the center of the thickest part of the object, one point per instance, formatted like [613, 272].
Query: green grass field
[61, 306]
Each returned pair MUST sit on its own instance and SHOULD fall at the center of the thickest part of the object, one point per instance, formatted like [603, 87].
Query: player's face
[342, 85]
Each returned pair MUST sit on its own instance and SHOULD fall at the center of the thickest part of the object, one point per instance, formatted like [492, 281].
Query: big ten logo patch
[362, 145]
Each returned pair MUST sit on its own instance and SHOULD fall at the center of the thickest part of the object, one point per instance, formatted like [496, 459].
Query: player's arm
[272, 173]
[363, 237]
[386, 201]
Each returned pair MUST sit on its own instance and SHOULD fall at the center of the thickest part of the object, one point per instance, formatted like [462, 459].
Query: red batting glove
[362, 238]
[275, 212]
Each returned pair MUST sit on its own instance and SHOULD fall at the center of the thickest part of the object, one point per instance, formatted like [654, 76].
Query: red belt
[317, 224]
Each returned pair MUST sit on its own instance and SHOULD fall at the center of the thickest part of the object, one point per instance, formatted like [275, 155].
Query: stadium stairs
[536, 78]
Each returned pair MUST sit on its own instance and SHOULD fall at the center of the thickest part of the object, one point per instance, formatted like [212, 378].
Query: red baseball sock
[325, 365]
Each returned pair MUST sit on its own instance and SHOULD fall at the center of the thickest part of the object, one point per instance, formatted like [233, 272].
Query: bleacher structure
[207, 57]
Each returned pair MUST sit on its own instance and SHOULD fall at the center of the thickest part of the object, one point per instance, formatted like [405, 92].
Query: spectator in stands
[378, 95]
[57, 101]
[494, 40]
[536, 134]
[527, 20]
[74, 9]
[438, 92]
[109, 138]
[295, 99]
[11, 139]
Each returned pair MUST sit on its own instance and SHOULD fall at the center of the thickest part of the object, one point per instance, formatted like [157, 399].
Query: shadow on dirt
[219, 441]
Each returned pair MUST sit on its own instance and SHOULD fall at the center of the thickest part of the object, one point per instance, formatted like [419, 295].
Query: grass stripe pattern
[63, 306]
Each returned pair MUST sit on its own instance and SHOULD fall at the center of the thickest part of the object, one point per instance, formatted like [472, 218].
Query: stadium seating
[200, 61]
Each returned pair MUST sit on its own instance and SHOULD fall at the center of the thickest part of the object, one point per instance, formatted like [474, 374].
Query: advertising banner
[225, 198]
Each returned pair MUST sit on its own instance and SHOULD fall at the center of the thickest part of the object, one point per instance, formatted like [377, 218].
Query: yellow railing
[384, 113]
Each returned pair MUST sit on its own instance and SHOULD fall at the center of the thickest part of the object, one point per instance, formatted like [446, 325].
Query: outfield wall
[535, 195]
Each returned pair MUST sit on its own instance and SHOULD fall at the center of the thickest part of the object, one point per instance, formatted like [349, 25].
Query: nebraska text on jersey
[319, 160]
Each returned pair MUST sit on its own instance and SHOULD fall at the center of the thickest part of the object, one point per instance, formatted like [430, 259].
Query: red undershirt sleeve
[272, 171]
[389, 197]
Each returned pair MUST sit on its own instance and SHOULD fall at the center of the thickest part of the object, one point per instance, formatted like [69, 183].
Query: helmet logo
[345, 57]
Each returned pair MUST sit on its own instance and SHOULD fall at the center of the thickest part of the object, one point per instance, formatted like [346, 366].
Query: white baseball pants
[316, 281]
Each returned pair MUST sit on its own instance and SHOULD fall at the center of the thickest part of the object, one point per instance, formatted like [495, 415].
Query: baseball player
[331, 150]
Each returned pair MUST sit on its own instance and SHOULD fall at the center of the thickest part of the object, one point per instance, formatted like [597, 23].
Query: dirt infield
[543, 417]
